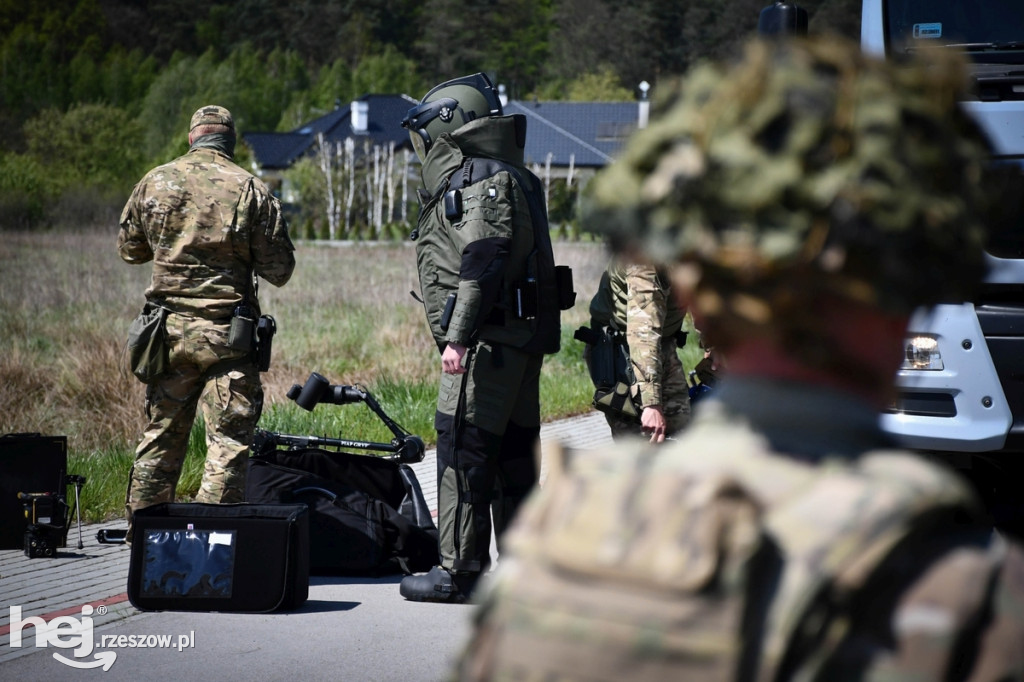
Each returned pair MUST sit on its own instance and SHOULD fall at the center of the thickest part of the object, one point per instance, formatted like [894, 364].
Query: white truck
[961, 388]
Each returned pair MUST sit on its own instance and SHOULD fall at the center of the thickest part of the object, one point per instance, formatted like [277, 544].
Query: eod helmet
[450, 106]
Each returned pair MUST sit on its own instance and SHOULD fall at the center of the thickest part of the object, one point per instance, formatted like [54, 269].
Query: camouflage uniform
[636, 299]
[782, 537]
[631, 565]
[209, 227]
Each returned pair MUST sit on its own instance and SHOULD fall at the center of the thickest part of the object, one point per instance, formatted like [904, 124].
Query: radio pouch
[243, 328]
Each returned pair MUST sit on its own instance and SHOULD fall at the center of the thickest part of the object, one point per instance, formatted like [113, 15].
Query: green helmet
[807, 156]
[450, 106]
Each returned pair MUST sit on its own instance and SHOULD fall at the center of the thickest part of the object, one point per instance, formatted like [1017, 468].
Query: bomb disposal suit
[487, 278]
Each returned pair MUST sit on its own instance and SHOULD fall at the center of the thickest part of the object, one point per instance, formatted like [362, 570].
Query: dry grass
[64, 308]
[66, 300]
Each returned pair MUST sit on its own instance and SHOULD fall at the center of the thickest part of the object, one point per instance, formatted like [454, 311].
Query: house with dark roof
[374, 119]
[567, 140]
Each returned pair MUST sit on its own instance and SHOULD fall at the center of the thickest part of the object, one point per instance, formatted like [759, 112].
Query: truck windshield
[991, 31]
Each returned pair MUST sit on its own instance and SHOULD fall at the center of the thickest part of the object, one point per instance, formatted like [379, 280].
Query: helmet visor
[419, 144]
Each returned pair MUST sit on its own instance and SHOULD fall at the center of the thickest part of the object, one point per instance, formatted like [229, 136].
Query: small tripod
[78, 482]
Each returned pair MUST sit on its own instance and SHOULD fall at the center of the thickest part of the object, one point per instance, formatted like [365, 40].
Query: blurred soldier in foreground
[210, 228]
[805, 199]
[641, 324]
[487, 275]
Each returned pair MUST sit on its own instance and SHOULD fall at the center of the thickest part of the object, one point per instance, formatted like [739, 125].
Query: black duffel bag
[368, 515]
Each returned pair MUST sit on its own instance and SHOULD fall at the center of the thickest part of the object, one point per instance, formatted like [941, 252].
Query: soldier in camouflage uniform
[805, 200]
[210, 228]
[635, 301]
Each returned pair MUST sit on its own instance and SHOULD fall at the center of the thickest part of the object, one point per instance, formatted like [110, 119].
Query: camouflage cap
[211, 114]
[808, 155]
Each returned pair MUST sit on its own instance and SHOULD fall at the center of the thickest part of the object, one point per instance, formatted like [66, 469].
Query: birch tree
[327, 168]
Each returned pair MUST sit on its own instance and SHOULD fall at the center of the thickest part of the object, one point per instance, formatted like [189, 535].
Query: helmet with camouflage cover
[450, 106]
[808, 161]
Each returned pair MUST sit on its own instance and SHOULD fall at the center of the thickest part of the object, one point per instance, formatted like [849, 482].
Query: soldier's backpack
[734, 565]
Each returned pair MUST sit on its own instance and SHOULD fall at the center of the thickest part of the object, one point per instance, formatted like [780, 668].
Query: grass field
[66, 300]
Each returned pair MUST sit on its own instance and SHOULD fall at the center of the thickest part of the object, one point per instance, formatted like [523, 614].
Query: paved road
[350, 629]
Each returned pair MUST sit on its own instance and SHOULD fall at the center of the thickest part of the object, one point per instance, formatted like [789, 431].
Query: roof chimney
[360, 116]
[645, 105]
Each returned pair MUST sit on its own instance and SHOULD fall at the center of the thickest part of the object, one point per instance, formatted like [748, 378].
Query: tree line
[94, 92]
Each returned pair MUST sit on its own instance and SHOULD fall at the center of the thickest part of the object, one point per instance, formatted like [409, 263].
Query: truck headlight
[922, 353]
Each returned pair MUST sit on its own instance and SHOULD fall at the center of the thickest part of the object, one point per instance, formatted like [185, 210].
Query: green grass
[66, 300]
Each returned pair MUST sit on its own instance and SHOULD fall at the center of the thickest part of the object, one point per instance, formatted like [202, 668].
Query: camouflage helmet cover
[448, 107]
[808, 156]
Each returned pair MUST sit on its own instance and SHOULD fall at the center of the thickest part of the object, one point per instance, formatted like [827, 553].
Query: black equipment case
[249, 558]
[36, 465]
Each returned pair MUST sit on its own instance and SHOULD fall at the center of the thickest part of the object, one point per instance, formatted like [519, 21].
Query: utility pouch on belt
[243, 329]
[265, 330]
[527, 292]
[147, 343]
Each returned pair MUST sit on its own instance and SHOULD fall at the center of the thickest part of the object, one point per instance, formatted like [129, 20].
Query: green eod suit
[483, 243]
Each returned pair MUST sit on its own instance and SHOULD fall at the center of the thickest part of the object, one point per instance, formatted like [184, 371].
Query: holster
[611, 371]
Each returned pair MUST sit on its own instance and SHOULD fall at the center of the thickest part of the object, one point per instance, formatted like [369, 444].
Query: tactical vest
[738, 565]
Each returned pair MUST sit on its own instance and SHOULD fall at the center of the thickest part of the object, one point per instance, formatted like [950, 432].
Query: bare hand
[451, 359]
[652, 421]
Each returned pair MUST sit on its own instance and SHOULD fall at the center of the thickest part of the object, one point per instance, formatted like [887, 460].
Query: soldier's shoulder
[641, 270]
[162, 172]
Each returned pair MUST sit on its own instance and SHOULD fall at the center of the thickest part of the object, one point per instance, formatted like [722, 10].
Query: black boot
[438, 585]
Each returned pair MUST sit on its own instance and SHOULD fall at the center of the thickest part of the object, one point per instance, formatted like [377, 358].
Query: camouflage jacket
[482, 251]
[208, 226]
[720, 558]
[637, 299]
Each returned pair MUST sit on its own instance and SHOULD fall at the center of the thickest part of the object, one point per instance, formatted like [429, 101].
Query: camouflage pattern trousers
[203, 372]
[675, 396]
